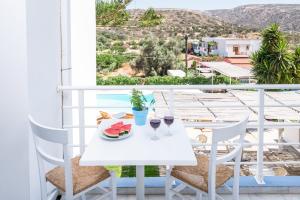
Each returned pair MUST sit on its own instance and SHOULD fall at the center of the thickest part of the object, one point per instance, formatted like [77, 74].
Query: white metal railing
[260, 125]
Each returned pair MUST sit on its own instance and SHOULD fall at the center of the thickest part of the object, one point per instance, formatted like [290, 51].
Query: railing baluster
[260, 151]
[81, 121]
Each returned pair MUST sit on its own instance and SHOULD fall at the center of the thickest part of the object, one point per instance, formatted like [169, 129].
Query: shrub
[111, 62]
[119, 80]
[163, 80]
[150, 18]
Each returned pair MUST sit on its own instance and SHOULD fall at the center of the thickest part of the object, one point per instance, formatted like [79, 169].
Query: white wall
[14, 167]
[44, 64]
[30, 61]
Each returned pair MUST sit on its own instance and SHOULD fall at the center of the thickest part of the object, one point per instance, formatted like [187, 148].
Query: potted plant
[139, 109]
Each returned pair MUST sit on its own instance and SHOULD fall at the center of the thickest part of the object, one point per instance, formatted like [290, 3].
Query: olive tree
[157, 56]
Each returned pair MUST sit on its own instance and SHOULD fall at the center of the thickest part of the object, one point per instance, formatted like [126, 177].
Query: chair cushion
[197, 176]
[83, 177]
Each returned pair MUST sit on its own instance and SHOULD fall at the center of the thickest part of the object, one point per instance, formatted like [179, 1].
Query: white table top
[139, 149]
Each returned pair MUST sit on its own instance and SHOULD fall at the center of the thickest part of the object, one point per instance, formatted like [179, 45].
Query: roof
[232, 38]
[240, 62]
[228, 69]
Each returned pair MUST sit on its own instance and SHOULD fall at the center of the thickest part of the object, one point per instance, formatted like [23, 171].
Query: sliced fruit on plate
[117, 125]
[112, 133]
[116, 130]
[126, 128]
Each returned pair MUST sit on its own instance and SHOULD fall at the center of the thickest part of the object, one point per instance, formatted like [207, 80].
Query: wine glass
[155, 123]
[169, 120]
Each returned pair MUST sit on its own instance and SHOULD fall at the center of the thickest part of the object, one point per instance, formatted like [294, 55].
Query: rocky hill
[178, 22]
[261, 15]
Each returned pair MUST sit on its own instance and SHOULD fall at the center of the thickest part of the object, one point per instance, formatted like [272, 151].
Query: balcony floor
[226, 197]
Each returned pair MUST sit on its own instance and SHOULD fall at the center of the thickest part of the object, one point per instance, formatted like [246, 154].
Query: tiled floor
[227, 197]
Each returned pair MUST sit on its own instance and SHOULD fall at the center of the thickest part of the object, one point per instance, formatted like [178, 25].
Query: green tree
[297, 65]
[157, 57]
[211, 44]
[150, 18]
[112, 12]
[273, 63]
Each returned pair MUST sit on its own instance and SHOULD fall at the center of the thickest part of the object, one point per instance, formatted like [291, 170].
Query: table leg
[140, 184]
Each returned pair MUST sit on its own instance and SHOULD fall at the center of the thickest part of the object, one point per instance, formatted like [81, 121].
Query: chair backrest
[52, 135]
[221, 135]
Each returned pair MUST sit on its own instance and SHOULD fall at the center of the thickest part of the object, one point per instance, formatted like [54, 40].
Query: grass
[129, 171]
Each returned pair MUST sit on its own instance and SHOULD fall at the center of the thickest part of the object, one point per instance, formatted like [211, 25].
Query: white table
[139, 150]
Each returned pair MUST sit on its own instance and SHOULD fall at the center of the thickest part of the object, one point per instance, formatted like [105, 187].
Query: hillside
[261, 15]
[177, 22]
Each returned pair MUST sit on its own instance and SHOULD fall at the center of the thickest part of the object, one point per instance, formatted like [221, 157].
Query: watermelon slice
[116, 130]
[126, 128]
[117, 125]
[112, 132]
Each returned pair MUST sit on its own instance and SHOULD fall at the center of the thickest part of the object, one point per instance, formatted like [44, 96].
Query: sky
[203, 4]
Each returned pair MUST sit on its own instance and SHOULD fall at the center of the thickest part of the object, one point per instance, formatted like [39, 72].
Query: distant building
[230, 47]
[176, 73]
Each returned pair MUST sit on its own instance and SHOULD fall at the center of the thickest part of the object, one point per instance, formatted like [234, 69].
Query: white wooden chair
[70, 179]
[210, 173]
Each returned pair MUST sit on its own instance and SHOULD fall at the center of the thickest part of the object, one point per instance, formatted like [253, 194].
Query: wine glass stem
[154, 135]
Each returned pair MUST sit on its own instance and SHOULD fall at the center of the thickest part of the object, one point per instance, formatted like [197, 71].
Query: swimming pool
[122, 100]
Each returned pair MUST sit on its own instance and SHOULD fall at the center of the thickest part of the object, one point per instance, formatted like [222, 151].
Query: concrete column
[14, 148]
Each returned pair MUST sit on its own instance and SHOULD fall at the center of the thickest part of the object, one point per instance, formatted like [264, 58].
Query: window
[236, 50]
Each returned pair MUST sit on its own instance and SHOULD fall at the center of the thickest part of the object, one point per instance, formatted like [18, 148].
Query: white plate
[119, 115]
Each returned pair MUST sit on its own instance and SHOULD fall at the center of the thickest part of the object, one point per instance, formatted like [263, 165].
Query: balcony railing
[260, 125]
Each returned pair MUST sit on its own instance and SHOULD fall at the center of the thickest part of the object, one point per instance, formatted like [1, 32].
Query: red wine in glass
[155, 123]
[169, 120]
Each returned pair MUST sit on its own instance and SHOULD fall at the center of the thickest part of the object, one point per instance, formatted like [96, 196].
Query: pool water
[122, 100]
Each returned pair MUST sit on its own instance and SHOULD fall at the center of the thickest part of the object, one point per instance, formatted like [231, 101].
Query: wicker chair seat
[83, 177]
[197, 176]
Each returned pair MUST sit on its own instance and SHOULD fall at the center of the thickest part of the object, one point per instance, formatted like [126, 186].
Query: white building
[232, 47]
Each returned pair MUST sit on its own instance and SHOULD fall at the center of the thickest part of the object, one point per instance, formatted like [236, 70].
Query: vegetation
[274, 63]
[112, 13]
[158, 56]
[106, 40]
[211, 45]
[297, 65]
[163, 80]
[138, 100]
[150, 18]
[175, 23]
[111, 62]
[130, 171]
